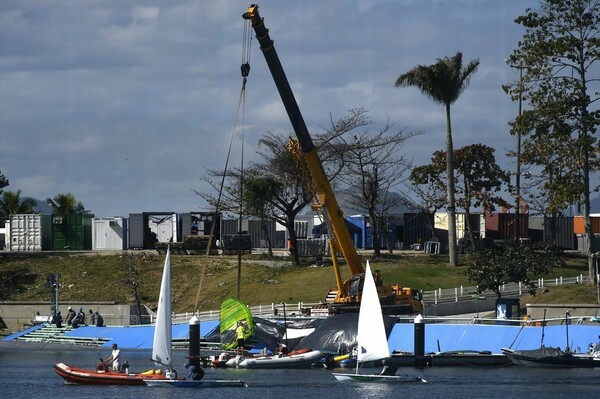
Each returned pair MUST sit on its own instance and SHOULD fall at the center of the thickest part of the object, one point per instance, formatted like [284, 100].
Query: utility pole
[518, 172]
[52, 281]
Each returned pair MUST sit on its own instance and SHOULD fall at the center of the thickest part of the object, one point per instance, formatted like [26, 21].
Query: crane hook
[245, 69]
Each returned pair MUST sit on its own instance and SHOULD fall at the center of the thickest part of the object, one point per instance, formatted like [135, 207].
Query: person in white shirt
[115, 358]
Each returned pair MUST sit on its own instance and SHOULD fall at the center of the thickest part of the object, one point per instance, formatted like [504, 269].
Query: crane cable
[245, 70]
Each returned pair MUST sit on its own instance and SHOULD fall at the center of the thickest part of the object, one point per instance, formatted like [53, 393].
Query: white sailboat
[372, 342]
[162, 346]
[162, 353]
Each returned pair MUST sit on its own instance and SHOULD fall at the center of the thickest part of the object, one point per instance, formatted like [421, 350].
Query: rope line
[241, 106]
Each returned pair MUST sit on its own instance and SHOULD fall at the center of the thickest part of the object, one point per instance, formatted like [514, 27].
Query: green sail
[233, 311]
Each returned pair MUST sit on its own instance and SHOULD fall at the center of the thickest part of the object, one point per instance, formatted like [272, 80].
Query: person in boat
[171, 374]
[282, 350]
[92, 318]
[195, 372]
[70, 316]
[389, 370]
[240, 331]
[115, 358]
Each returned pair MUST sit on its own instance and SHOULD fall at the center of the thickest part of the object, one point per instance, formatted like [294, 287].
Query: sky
[127, 104]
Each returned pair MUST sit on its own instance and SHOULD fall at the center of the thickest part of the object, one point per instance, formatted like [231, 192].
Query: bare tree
[375, 169]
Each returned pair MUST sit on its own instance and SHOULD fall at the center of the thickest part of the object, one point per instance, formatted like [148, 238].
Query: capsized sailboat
[372, 342]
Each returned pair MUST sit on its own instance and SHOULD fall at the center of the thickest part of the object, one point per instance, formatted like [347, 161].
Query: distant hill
[42, 207]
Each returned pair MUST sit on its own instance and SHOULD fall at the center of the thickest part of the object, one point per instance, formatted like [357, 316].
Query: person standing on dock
[70, 316]
[57, 320]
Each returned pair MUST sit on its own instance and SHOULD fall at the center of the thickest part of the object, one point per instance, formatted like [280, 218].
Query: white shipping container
[164, 226]
[24, 233]
[440, 221]
[109, 233]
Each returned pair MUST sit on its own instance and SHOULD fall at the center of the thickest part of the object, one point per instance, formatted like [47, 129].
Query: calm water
[29, 375]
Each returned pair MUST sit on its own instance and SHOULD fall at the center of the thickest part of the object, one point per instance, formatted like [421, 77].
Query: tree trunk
[375, 235]
[453, 255]
[263, 225]
[293, 246]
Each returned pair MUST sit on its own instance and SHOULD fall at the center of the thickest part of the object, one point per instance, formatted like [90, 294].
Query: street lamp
[518, 175]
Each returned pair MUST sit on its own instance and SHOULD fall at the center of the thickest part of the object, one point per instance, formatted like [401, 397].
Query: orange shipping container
[579, 227]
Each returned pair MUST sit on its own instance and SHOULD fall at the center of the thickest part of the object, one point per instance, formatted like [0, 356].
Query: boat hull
[347, 377]
[565, 360]
[301, 360]
[195, 383]
[450, 359]
[75, 375]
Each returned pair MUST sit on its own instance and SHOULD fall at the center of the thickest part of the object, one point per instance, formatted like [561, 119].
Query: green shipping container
[72, 232]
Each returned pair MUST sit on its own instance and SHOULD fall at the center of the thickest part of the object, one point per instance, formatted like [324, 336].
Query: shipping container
[501, 226]
[109, 233]
[258, 235]
[579, 226]
[540, 229]
[476, 219]
[417, 230]
[136, 231]
[27, 232]
[148, 228]
[72, 231]
[312, 247]
[583, 244]
[163, 226]
[231, 227]
[200, 223]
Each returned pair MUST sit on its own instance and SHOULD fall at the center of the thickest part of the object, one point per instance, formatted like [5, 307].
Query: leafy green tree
[258, 193]
[63, 204]
[490, 268]
[558, 54]
[444, 82]
[11, 203]
[478, 179]
[3, 181]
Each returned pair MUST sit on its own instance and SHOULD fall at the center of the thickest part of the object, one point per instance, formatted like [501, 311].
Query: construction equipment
[394, 298]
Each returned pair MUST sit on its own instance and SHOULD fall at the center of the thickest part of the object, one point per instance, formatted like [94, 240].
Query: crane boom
[334, 213]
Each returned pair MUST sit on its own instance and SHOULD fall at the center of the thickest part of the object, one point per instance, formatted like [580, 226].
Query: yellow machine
[394, 298]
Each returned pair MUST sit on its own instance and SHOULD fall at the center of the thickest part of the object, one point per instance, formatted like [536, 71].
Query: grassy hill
[112, 277]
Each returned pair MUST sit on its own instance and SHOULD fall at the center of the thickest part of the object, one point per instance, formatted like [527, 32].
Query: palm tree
[12, 204]
[63, 204]
[444, 82]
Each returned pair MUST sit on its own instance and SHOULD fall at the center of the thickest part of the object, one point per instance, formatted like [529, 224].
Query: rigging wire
[245, 70]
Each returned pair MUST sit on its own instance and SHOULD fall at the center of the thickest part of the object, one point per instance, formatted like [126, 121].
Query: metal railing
[444, 295]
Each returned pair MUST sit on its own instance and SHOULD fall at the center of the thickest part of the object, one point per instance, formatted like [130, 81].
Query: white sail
[371, 337]
[161, 348]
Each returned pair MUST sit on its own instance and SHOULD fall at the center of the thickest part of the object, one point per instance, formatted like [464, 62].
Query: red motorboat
[75, 375]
